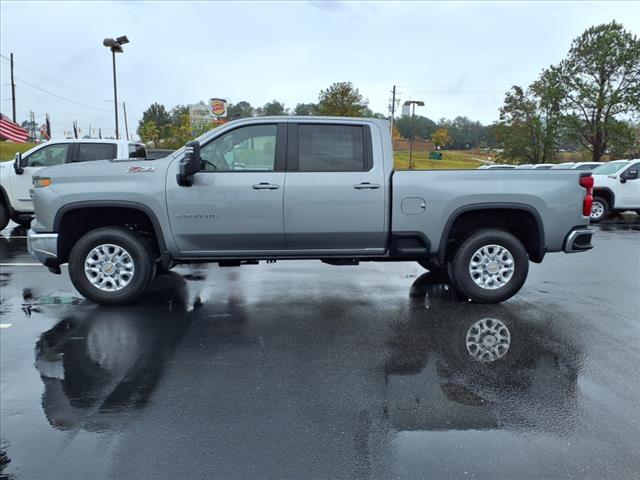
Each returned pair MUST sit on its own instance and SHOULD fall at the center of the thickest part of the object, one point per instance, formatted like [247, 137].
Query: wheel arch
[107, 213]
[607, 194]
[535, 247]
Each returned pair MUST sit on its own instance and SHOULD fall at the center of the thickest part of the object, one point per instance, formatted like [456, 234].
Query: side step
[341, 261]
[236, 263]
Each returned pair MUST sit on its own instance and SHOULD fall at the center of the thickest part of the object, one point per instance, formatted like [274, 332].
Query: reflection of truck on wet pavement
[301, 188]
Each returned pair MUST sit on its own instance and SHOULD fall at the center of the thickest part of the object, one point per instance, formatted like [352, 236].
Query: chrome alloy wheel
[109, 267]
[597, 210]
[488, 340]
[491, 267]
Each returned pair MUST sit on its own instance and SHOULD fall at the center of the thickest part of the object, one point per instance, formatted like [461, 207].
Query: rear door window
[331, 148]
[96, 151]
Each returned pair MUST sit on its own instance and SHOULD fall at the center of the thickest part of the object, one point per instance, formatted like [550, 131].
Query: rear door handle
[365, 185]
[265, 186]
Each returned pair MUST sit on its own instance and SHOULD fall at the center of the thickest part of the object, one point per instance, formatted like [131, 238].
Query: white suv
[616, 188]
[15, 177]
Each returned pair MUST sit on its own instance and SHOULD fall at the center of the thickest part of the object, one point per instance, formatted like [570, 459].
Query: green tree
[441, 138]
[466, 134]
[149, 133]
[241, 109]
[342, 99]
[624, 140]
[177, 114]
[520, 129]
[273, 108]
[155, 113]
[600, 84]
[305, 109]
[371, 114]
[418, 126]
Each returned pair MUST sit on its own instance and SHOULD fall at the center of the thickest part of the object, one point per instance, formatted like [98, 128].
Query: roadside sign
[218, 107]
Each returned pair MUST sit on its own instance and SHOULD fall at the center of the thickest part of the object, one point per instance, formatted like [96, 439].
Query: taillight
[587, 183]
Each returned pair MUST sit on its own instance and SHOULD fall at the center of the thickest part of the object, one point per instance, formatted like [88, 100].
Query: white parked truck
[16, 184]
[616, 188]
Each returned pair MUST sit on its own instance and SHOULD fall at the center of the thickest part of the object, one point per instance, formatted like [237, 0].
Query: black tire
[462, 279]
[603, 211]
[4, 217]
[141, 256]
[22, 222]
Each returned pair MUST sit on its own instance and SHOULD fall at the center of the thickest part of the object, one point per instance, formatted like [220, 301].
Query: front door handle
[265, 186]
[365, 185]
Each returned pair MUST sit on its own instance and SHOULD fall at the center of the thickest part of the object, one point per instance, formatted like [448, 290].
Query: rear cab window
[329, 148]
[96, 151]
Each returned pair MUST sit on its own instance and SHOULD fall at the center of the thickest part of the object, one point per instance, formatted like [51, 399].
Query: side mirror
[190, 164]
[19, 164]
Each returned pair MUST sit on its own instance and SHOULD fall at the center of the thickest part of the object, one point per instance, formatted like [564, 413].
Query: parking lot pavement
[304, 370]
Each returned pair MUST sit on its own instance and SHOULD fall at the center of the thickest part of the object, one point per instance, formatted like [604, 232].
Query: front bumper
[578, 240]
[44, 248]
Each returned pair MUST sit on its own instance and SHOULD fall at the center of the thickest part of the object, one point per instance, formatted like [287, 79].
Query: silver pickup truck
[294, 188]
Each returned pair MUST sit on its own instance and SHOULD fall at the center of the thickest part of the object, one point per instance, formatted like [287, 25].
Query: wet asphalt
[300, 370]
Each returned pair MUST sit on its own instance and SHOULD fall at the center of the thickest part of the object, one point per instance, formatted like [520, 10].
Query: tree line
[590, 101]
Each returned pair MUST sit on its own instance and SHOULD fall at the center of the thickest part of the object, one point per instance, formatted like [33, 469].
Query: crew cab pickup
[325, 188]
[16, 177]
[616, 188]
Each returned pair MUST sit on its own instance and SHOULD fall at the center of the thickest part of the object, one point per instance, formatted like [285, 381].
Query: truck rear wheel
[490, 266]
[111, 265]
[599, 209]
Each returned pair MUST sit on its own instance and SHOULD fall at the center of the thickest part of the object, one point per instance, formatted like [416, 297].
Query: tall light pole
[413, 104]
[116, 47]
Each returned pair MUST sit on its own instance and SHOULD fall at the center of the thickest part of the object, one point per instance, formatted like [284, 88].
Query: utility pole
[393, 107]
[126, 126]
[32, 126]
[413, 104]
[115, 91]
[13, 90]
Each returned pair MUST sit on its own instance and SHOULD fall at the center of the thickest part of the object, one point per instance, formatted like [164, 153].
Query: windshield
[609, 168]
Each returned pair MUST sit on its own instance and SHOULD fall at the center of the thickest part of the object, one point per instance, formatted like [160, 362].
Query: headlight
[39, 182]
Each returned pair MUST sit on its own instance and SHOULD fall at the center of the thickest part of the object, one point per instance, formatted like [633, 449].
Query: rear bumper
[44, 248]
[578, 240]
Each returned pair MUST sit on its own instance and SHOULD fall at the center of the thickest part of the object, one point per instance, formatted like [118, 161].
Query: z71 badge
[141, 169]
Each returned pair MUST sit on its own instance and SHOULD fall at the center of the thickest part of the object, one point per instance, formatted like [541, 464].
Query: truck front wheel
[4, 217]
[111, 265]
[490, 266]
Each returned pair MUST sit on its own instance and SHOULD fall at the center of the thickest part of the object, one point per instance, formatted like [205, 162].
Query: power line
[50, 79]
[60, 96]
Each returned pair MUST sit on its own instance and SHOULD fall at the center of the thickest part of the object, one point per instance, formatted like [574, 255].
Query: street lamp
[116, 47]
[413, 104]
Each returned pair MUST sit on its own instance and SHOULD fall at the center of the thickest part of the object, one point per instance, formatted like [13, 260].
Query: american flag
[12, 131]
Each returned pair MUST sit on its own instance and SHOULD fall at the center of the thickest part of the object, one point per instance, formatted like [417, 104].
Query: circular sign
[218, 107]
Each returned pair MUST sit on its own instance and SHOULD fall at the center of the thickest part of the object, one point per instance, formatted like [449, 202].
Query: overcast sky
[459, 57]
